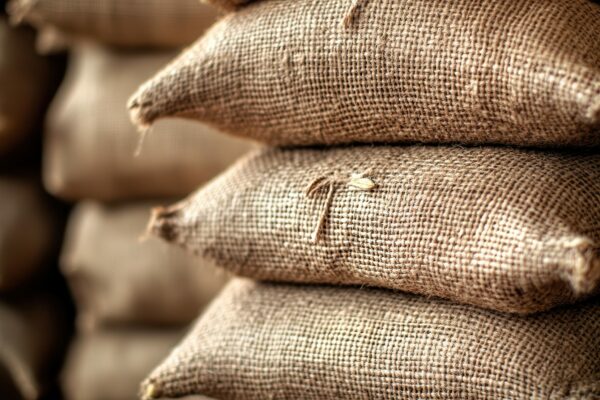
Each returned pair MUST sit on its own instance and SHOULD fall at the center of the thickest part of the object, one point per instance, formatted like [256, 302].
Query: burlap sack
[117, 279]
[109, 365]
[304, 72]
[33, 334]
[132, 23]
[26, 82]
[269, 341]
[90, 142]
[28, 231]
[507, 229]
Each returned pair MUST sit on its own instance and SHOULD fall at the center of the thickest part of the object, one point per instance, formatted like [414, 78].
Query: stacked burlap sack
[134, 297]
[34, 308]
[447, 248]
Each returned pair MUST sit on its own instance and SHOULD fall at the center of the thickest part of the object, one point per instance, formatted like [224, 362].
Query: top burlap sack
[273, 341]
[511, 230]
[131, 23]
[303, 72]
[90, 144]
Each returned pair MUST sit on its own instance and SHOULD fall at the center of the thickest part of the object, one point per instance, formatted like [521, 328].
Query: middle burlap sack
[302, 72]
[117, 279]
[90, 142]
[506, 229]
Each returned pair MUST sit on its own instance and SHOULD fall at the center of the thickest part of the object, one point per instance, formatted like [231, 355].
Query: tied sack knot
[356, 181]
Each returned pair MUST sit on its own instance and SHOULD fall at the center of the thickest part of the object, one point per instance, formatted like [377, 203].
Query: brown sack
[148, 23]
[28, 230]
[227, 5]
[116, 278]
[26, 82]
[269, 341]
[90, 143]
[33, 334]
[109, 365]
[302, 72]
[506, 229]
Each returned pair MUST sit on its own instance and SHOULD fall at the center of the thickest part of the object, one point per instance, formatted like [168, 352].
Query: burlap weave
[116, 279]
[26, 82]
[90, 142]
[131, 23]
[270, 341]
[28, 230]
[507, 229]
[110, 364]
[303, 72]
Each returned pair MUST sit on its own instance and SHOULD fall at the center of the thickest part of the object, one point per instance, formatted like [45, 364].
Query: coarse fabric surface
[90, 143]
[508, 229]
[304, 72]
[119, 279]
[277, 341]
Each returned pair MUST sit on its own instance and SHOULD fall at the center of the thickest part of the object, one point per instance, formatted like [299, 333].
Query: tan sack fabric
[131, 23]
[28, 230]
[302, 72]
[26, 81]
[33, 334]
[109, 365]
[270, 341]
[116, 278]
[506, 229]
[90, 144]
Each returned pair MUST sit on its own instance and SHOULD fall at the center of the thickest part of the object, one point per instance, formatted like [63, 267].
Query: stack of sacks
[129, 316]
[34, 311]
[471, 254]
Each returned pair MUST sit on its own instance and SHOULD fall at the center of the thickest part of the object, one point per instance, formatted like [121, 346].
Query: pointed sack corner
[162, 223]
[149, 391]
[584, 275]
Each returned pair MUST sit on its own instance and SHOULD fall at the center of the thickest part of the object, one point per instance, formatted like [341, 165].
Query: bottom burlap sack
[33, 334]
[277, 341]
[109, 365]
[119, 278]
[28, 230]
[501, 228]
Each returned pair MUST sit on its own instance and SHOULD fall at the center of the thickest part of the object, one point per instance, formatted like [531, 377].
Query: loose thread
[356, 182]
[353, 13]
[144, 132]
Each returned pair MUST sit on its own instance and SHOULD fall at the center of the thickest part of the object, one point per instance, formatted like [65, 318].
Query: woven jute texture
[28, 230]
[276, 341]
[512, 230]
[110, 364]
[26, 80]
[90, 143]
[131, 23]
[302, 72]
[118, 279]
